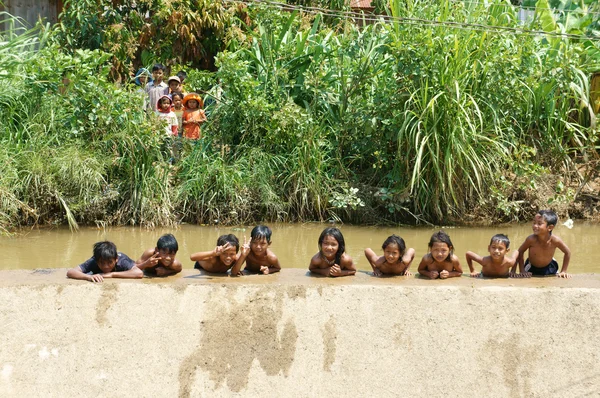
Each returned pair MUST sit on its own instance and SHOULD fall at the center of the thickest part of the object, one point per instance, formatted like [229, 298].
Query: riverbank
[293, 335]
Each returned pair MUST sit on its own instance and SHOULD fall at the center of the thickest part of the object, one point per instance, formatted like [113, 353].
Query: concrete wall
[290, 335]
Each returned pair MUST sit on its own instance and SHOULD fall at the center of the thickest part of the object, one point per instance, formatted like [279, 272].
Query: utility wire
[413, 21]
[529, 8]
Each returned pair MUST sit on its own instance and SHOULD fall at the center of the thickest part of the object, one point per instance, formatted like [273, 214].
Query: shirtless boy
[497, 264]
[396, 258]
[221, 258]
[542, 245]
[160, 260]
[256, 253]
[440, 262]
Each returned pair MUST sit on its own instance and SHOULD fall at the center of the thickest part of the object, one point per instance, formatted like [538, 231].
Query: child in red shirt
[193, 116]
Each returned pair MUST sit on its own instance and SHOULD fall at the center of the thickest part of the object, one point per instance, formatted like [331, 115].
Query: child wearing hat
[174, 85]
[193, 116]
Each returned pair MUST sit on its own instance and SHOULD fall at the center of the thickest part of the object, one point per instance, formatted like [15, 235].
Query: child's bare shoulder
[271, 257]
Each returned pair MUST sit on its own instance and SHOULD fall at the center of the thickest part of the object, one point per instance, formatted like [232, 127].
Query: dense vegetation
[310, 116]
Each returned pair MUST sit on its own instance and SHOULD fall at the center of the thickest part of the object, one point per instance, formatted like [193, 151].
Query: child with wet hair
[221, 258]
[497, 264]
[332, 260]
[106, 262]
[160, 260]
[396, 258]
[440, 262]
[542, 245]
[256, 253]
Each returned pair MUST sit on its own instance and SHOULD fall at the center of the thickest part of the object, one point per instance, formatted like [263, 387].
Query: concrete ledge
[289, 335]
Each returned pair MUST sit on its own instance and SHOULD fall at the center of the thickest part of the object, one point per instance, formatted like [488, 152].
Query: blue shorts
[550, 269]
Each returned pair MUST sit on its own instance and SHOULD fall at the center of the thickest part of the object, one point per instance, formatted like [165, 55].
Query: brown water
[294, 244]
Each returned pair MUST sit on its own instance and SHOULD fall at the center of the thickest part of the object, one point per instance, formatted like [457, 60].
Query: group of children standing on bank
[332, 259]
[182, 112]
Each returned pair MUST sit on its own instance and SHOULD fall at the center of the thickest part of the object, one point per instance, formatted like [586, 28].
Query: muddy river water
[294, 244]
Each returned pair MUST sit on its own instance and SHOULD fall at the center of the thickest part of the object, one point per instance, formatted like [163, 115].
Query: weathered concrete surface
[290, 335]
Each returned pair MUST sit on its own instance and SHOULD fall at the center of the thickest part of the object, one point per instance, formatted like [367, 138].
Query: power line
[530, 8]
[413, 21]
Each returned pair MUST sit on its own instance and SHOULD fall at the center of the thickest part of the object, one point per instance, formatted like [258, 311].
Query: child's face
[440, 251]
[228, 256]
[157, 75]
[165, 104]
[497, 250]
[143, 79]
[540, 226]
[329, 246]
[174, 85]
[259, 246]
[177, 102]
[391, 253]
[107, 266]
[166, 257]
[192, 104]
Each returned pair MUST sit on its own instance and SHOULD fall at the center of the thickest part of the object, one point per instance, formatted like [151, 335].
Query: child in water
[256, 253]
[542, 245]
[440, 262]
[160, 260]
[221, 258]
[497, 264]
[331, 260]
[396, 258]
[106, 262]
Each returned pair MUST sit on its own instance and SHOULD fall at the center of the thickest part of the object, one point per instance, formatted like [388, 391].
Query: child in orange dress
[193, 116]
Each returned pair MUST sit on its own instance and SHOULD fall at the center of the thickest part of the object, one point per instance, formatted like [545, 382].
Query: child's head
[193, 101]
[158, 70]
[498, 245]
[228, 256]
[167, 248]
[544, 219]
[164, 103]
[142, 77]
[105, 254]
[177, 99]
[260, 239]
[393, 248]
[174, 83]
[440, 246]
[182, 76]
[331, 243]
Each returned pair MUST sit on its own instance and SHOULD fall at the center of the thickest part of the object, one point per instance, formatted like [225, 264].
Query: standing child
[542, 245]
[174, 84]
[193, 116]
[396, 258]
[160, 260]
[178, 109]
[331, 260]
[221, 258]
[106, 262]
[497, 264]
[257, 255]
[157, 87]
[163, 111]
[440, 262]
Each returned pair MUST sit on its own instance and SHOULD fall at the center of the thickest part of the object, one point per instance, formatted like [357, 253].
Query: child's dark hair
[182, 75]
[261, 231]
[105, 251]
[337, 235]
[549, 216]
[231, 239]
[167, 242]
[500, 238]
[396, 240]
[176, 93]
[156, 67]
[442, 237]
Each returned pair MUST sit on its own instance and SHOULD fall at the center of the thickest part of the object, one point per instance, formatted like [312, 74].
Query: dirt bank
[291, 335]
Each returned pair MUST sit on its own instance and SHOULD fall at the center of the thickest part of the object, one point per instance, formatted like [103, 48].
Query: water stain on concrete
[254, 327]
[105, 301]
[296, 292]
[329, 337]
[511, 361]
